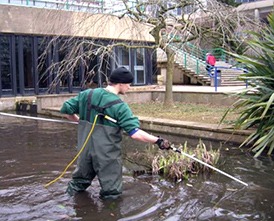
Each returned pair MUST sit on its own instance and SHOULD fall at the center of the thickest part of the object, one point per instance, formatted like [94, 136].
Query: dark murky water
[33, 153]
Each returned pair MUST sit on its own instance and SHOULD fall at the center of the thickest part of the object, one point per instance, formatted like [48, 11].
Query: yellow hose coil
[78, 154]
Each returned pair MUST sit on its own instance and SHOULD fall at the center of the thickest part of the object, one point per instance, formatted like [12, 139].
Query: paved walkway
[188, 88]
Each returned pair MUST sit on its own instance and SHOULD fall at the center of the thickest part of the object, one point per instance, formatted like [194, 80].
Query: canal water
[32, 153]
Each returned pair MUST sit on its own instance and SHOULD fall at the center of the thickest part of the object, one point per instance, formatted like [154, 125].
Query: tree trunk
[169, 78]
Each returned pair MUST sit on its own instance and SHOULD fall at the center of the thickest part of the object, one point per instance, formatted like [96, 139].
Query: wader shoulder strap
[89, 105]
[97, 108]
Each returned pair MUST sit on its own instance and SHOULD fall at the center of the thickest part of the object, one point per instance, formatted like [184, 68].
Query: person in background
[101, 156]
[211, 61]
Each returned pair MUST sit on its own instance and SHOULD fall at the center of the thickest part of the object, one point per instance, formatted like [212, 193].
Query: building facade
[37, 39]
[36, 47]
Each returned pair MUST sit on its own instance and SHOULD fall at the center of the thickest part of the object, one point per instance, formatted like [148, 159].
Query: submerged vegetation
[172, 165]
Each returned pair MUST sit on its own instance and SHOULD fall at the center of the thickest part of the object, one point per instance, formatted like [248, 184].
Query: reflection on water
[33, 153]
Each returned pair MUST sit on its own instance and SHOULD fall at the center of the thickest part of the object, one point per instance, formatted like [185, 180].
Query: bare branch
[150, 24]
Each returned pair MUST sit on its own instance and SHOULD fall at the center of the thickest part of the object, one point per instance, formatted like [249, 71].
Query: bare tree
[198, 21]
[89, 37]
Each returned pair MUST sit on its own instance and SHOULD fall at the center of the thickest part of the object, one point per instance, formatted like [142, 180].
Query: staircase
[201, 78]
[194, 68]
[190, 66]
[229, 75]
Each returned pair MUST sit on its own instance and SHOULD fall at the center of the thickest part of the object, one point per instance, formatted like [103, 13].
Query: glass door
[124, 57]
[139, 67]
[133, 60]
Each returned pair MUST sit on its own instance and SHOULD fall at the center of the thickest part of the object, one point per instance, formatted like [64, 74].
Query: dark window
[124, 57]
[42, 64]
[43, 80]
[28, 63]
[5, 60]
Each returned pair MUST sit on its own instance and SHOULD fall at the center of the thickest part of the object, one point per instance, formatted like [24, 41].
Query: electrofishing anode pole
[37, 118]
[211, 167]
[113, 120]
[51, 120]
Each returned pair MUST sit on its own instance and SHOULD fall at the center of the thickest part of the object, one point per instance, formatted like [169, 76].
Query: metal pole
[211, 167]
[215, 79]
[37, 118]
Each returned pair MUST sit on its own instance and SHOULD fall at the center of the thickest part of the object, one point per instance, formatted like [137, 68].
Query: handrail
[189, 61]
[71, 5]
[194, 50]
[198, 65]
[96, 6]
[219, 53]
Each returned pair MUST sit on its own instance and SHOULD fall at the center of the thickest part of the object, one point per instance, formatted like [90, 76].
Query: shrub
[255, 104]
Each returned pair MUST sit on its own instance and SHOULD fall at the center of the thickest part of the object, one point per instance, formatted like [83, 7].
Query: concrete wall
[39, 21]
[9, 103]
[46, 101]
[215, 98]
[260, 8]
[179, 76]
[195, 130]
[55, 101]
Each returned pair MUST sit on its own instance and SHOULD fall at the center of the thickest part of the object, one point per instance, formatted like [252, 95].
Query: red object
[210, 59]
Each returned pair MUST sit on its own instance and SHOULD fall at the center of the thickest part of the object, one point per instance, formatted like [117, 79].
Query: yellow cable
[81, 150]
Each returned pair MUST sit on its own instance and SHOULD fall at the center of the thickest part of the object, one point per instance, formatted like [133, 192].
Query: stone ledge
[180, 128]
[194, 129]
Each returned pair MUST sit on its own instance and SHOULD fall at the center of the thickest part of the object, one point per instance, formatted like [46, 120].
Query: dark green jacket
[100, 97]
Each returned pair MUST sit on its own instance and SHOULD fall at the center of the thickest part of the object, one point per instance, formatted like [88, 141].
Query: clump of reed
[173, 165]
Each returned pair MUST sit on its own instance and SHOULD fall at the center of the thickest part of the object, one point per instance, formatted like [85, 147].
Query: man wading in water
[102, 154]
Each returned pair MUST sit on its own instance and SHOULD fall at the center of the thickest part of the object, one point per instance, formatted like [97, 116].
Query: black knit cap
[121, 75]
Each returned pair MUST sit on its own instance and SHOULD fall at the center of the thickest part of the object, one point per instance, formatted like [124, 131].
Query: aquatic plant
[177, 166]
[173, 165]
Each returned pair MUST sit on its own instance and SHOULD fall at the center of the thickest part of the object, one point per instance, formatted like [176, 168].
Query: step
[233, 84]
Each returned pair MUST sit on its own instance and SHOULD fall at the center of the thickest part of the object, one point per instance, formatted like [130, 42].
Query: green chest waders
[101, 156]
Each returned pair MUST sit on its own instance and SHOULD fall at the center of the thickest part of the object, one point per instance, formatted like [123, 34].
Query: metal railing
[70, 5]
[219, 53]
[189, 61]
[95, 6]
[198, 66]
